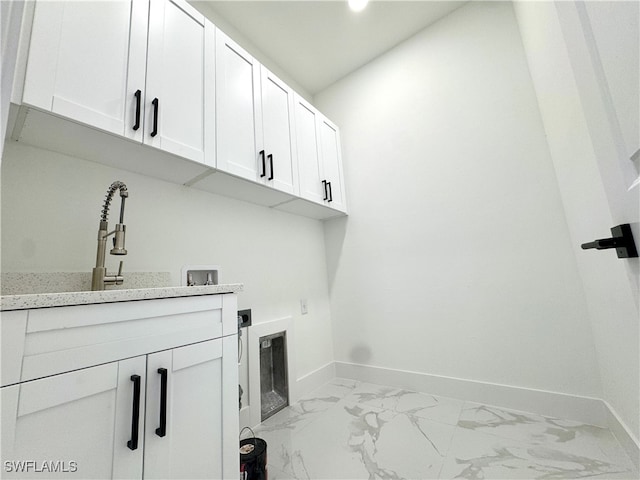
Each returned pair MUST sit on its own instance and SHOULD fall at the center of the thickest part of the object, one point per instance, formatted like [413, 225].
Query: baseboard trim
[623, 435]
[553, 404]
[313, 380]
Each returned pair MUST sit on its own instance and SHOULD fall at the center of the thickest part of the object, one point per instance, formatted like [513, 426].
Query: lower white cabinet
[184, 415]
[73, 424]
[169, 413]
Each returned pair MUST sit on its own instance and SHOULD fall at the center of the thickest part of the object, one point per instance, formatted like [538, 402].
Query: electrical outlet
[244, 318]
[304, 306]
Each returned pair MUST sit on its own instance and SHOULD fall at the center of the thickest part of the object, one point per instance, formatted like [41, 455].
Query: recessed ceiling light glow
[358, 5]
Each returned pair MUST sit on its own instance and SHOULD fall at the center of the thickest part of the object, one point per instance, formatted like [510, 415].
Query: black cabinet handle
[270, 157]
[330, 193]
[135, 417]
[138, 96]
[264, 165]
[162, 430]
[155, 117]
[324, 184]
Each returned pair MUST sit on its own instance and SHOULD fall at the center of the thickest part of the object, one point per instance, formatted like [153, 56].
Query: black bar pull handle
[161, 431]
[621, 240]
[324, 185]
[330, 192]
[138, 96]
[135, 416]
[264, 165]
[155, 102]
[270, 157]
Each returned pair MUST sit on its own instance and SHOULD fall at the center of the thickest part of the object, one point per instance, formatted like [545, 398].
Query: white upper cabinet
[319, 157]
[161, 75]
[87, 60]
[333, 184]
[178, 97]
[307, 143]
[254, 119]
[278, 148]
[237, 112]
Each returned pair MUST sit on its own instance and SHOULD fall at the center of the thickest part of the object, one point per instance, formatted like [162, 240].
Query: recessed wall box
[198, 275]
[244, 318]
[274, 385]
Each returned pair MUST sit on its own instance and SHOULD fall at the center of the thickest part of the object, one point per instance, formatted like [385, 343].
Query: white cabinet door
[192, 412]
[307, 144]
[332, 164]
[179, 75]
[277, 125]
[319, 157]
[87, 61]
[77, 424]
[237, 111]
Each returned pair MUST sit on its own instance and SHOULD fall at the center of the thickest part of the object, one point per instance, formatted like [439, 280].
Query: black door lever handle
[602, 244]
[622, 241]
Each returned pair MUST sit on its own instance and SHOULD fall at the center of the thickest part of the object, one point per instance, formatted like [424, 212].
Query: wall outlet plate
[244, 318]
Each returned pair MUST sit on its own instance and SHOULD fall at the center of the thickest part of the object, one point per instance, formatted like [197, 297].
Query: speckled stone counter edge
[45, 300]
[58, 282]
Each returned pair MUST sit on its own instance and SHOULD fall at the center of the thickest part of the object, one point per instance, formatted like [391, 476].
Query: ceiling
[318, 42]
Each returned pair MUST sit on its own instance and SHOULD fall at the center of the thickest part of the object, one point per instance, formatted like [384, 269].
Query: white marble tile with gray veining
[309, 407]
[353, 440]
[476, 455]
[439, 409]
[338, 387]
[566, 435]
[358, 441]
[357, 430]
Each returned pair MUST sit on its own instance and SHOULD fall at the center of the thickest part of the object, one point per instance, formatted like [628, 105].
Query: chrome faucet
[100, 278]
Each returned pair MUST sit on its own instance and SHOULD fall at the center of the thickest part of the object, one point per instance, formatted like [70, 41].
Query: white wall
[455, 259]
[50, 211]
[576, 149]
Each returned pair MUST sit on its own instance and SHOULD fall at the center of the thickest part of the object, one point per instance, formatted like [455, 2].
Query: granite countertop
[44, 300]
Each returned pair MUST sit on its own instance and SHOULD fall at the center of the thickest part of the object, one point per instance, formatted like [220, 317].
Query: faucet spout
[100, 278]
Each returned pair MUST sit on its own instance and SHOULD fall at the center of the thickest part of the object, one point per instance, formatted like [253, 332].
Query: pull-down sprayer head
[118, 239]
[100, 277]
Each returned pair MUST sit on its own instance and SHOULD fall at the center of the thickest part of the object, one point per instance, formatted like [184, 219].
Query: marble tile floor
[353, 430]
